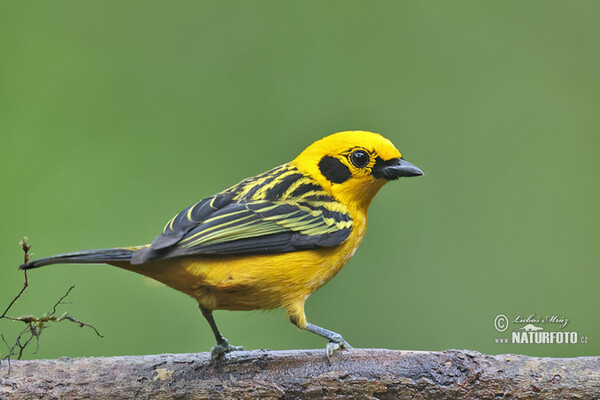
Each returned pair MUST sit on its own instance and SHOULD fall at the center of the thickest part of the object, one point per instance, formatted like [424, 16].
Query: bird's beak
[395, 168]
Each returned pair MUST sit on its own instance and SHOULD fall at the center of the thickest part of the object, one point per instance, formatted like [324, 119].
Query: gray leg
[336, 341]
[222, 345]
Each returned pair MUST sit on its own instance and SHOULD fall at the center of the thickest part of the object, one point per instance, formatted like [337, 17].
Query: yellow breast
[250, 282]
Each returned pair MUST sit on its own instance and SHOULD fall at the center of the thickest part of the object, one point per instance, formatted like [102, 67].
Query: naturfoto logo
[533, 329]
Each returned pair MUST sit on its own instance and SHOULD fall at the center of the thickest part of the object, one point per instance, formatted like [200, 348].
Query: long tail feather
[98, 256]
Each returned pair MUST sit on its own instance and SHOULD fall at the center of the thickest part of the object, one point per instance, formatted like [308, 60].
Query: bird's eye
[359, 158]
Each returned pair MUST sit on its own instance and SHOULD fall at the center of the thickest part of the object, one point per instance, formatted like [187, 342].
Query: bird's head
[352, 166]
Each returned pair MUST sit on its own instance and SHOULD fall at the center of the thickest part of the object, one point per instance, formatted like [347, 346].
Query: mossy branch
[306, 374]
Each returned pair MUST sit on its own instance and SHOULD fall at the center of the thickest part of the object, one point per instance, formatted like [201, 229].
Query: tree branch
[358, 373]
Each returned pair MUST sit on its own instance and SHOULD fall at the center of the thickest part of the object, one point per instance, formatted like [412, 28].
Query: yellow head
[352, 166]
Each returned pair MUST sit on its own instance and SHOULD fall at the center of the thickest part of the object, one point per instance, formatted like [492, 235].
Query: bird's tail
[98, 256]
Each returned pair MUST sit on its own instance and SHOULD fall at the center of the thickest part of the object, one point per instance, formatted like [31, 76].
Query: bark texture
[306, 374]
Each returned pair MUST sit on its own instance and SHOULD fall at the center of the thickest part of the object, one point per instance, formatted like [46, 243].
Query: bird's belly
[262, 281]
[252, 282]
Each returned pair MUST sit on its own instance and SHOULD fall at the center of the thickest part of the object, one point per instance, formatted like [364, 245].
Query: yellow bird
[271, 240]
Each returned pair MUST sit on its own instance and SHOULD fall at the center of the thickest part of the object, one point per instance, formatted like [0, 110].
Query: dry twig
[35, 325]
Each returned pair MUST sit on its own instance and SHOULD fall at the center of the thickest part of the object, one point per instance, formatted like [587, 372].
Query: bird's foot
[222, 348]
[336, 343]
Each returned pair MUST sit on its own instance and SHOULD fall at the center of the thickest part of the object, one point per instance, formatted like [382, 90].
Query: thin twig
[60, 300]
[26, 258]
[82, 324]
[35, 325]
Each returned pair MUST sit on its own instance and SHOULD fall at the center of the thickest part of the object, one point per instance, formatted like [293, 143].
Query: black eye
[359, 158]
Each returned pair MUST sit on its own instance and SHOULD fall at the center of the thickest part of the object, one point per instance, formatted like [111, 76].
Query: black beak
[395, 168]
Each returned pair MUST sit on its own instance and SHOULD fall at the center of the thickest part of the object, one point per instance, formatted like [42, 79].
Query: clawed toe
[333, 346]
[222, 348]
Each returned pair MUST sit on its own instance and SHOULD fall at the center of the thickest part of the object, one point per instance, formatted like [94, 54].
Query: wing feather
[276, 212]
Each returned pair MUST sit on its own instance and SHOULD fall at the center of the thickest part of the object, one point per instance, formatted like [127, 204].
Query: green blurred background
[115, 115]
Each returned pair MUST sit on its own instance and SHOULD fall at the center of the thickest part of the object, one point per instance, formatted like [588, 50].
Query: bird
[271, 240]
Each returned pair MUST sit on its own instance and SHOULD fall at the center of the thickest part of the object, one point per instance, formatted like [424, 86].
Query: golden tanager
[271, 240]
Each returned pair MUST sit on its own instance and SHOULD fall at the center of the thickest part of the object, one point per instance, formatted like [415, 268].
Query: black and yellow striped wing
[276, 212]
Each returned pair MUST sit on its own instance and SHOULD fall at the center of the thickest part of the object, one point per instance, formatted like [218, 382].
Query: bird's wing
[222, 225]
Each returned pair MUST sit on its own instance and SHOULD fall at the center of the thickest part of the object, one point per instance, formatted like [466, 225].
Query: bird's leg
[222, 345]
[336, 341]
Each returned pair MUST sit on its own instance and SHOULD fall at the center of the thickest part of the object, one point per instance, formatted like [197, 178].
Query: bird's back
[267, 279]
